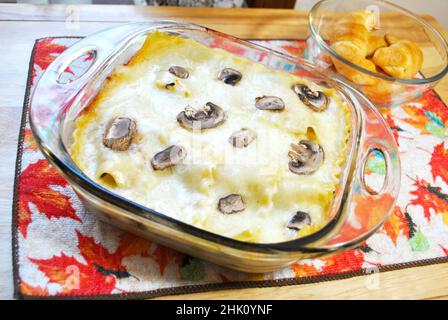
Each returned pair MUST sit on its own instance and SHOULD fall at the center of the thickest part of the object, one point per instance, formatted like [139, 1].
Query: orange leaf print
[99, 273]
[74, 277]
[131, 245]
[438, 163]
[35, 188]
[351, 260]
[295, 48]
[369, 213]
[29, 290]
[429, 197]
[387, 114]
[432, 118]
[393, 126]
[28, 141]
[417, 117]
[101, 269]
[376, 130]
[46, 51]
[227, 45]
[302, 270]
[399, 223]
[99, 257]
[434, 104]
[163, 256]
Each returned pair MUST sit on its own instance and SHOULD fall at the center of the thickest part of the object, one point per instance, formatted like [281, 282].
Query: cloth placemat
[60, 250]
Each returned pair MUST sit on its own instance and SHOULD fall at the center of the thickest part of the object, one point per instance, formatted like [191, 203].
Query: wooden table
[20, 25]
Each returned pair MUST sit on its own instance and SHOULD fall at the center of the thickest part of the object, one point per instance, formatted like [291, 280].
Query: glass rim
[300, 245]
[321, 42]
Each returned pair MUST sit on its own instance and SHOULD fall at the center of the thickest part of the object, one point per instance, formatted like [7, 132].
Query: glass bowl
[356, 211]
[386, 91]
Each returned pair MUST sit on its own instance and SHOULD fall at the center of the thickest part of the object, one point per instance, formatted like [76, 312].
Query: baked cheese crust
[143, 90]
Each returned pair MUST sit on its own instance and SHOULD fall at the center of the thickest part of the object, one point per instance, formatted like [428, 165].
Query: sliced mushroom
[269, 103]
[299, 220]
[167, 81]
[169, 157]
[242, 138]
[170, 85]
[119, 133]
[179, 72]
[316, 100]
[231, 204]
[230, 76]
[306, 157]
[209, 116]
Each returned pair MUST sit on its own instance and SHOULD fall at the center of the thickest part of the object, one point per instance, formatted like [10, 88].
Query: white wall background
[436, 8]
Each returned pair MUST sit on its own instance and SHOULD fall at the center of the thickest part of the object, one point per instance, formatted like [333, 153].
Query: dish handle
[56, 95]
[367, 208]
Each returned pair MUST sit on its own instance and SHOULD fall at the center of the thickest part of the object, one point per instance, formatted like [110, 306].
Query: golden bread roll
[353, 40]
[354, 75]
[403, 59]
[350, 40]
[354, 28]
[383, 91]
[375, 42]
[390, 39]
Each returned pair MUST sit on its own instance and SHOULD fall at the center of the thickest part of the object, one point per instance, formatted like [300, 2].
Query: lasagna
[215, 140]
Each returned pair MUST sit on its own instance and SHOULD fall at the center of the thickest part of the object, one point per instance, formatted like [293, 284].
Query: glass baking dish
[356, 211]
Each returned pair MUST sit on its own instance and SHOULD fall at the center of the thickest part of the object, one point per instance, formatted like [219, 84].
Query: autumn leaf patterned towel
[60, 249]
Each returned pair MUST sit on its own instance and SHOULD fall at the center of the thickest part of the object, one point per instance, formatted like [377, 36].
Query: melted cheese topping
[213, 168]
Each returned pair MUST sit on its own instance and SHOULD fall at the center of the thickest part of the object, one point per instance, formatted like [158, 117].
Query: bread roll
[353, 29]
[350, 40]
[403, 59]
[375, 42]
[390, 39]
